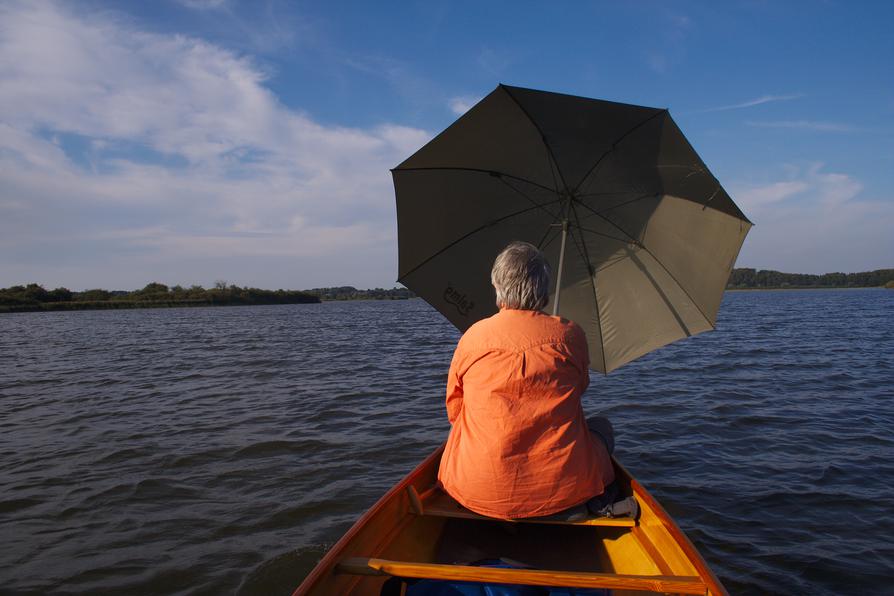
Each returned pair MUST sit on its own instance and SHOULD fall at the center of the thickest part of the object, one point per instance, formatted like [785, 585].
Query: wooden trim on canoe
[527, 577]
[674, 530]
[328, 562]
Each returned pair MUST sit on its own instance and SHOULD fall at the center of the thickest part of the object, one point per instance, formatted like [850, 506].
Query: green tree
[152, 291]
[36, 293]
[59, 295]
[96, 295]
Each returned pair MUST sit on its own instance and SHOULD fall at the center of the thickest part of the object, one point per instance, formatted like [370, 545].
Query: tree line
[352, 293]
[35, 297]
[752, 278]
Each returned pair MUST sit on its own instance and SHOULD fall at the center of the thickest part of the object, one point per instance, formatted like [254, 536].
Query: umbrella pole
[561, 267]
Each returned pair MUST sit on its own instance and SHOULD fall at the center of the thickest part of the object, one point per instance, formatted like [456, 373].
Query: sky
[195, 141]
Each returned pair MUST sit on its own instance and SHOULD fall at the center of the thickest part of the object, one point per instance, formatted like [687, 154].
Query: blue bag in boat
[437, 587]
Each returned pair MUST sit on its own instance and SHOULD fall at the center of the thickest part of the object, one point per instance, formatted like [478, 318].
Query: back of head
[521, 277]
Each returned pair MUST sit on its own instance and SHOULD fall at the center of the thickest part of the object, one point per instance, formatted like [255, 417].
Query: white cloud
[757, 197]
[806, 125]
[755, 102]
[182, 152]
[809, 188]
[815, 222]
[460, 105]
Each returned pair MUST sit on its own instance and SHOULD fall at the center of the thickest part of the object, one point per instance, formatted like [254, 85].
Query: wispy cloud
[460, 105]
[407, 82]
[494, 61]
[657, 61]
[204, 4]
[806, 125]
[806, 183]
[679, 26]
[815, 216]
[755, 198]
[675, 29]
[755, 102]
[192, 157]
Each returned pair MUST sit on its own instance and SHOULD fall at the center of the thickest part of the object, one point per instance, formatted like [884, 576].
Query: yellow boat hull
[416, 531]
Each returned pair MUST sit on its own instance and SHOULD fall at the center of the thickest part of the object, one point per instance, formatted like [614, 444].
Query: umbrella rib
[543, 243]
[532, 201]
[479, 171]
[475, 231]
[549, 149]
[611, 263]
[680, 285]
[553, 168]
[657, 260]
[610, 222]
[582, 249]
[624, 204]
[543, 240]
[668, 166]
[583, 195]
[692, 172]
[604, 235]
[615, 144]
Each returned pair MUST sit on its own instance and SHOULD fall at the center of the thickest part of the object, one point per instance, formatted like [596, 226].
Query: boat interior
[419, 532]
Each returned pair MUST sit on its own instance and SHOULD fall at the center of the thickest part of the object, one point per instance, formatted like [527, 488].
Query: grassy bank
[352, 293]
[35, 298]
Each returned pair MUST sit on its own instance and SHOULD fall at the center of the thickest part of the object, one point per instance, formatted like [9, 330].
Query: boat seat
[676, 584]
[437, 503]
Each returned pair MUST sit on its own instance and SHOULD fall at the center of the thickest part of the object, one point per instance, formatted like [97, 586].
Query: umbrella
[640, 236]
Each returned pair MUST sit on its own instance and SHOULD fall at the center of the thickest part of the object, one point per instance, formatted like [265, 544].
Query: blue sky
[198, 140]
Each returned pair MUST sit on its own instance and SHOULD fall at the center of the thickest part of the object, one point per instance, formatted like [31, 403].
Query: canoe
[417, 531]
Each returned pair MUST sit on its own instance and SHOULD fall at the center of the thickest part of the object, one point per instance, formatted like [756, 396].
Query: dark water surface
[222, 450]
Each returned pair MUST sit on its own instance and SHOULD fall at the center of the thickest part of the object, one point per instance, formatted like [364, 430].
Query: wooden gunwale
[674, 530]
[328, 562]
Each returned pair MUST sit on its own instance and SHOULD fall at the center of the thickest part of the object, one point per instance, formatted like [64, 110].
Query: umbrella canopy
[645, 234]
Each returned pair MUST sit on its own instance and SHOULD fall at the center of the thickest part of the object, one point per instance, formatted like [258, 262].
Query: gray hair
[521, 277]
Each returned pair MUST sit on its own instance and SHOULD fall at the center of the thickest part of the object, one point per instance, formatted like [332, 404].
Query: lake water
[223, 450]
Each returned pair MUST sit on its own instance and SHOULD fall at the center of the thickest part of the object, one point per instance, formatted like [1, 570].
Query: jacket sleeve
[454, 387]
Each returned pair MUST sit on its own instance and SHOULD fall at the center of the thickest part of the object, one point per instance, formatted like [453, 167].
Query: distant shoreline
[785, 288]
[34, 298]
[132, 305]
[122, 305]
[745, 278]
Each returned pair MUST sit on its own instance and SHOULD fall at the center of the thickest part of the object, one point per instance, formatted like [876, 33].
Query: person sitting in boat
[519, 445]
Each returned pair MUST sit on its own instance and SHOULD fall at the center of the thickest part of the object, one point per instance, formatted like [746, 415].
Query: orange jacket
[519, 445]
